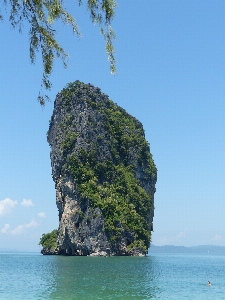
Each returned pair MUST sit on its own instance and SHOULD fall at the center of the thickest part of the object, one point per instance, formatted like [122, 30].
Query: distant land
[204, 249]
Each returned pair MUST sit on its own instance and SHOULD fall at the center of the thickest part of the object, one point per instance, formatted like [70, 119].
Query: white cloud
[41, 215]
[165, 240]
[21, 228]
[217, 238]
[27, 203]
[177, 239]
[5, 229]
[6, 206]
[182, 234]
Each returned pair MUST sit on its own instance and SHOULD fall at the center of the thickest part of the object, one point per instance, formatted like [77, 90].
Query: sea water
[157, 276]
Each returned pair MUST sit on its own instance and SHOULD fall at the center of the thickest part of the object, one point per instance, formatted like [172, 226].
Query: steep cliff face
[104, 175]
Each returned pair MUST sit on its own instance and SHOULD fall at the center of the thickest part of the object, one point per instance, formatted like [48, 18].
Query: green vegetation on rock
[49, 240]
[105, 169]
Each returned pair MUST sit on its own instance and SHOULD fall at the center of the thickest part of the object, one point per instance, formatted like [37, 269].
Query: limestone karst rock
[104, 175]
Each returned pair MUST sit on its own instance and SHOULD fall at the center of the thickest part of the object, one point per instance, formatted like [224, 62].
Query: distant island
[204, 249]
[104, 177]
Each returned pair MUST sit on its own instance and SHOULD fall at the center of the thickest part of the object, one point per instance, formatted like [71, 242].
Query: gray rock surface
[88, 132]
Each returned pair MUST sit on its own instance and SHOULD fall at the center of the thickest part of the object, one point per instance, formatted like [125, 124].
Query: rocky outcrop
[104, 175]
[46, 251]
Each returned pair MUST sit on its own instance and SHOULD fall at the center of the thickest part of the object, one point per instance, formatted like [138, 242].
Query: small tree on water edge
[49, 240]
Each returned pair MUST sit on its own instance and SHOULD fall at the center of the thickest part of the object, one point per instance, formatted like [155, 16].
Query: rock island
[104, 176]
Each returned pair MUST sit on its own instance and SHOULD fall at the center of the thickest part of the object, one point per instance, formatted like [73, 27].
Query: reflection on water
[173, 277]
[104, 278]
[33, 276]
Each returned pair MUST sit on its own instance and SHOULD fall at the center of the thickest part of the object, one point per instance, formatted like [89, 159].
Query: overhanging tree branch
[41, 15]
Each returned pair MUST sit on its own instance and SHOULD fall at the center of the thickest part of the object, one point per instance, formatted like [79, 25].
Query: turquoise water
[159, 276]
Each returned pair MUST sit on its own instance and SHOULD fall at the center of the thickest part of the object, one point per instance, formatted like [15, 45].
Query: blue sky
[171, 76]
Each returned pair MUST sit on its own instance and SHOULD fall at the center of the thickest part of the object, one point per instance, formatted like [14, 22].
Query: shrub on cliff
[49, 240]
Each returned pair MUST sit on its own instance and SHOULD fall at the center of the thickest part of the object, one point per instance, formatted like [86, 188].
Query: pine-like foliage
[41, 15]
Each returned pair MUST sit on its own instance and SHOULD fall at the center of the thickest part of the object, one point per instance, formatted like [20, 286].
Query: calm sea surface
[158, 276]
